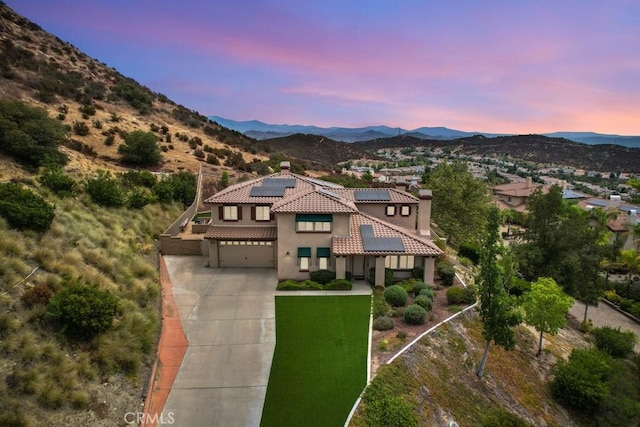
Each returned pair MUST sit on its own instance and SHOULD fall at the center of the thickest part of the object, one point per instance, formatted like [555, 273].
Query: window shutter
[220, 212]
[272, 216]
[253, 213]
[239, 212]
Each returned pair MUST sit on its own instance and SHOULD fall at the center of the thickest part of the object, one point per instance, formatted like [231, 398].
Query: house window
[313, 223]
[399, 262]
[304, 256]
[263, 213]
[405, 210]
[230, 213]
[509, 199]
[391, 210]
[323, 258]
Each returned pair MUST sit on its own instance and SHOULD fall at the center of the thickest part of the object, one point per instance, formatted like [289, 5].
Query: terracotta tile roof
[501, 204]
[397, 196]
[519, 189]
[352, 245]
[314, 201]
[240, 193]
[249, 232]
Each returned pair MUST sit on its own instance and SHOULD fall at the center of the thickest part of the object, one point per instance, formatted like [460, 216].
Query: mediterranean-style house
[298, 224]
[514, 195]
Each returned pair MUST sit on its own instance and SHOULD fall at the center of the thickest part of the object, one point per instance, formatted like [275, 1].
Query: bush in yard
[419, 286]
[417, 272]
[415, 315]
[383, 323]
[427, 293]
[83, 311]
[614, 342]
[612, 296]
[24, 209]
[447, 273]
[396, 296]
[455, 296]
[292, 285]
[322, 276]
[339, 285]
[380, 306]
[423, 302]
[469, 294]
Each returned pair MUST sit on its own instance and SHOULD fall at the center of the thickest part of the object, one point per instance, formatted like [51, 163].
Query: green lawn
[320, 361]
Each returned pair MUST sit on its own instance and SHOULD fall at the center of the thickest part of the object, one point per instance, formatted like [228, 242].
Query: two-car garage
[246, 253]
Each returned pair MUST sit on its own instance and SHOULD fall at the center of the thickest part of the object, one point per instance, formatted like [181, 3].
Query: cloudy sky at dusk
[492, 66]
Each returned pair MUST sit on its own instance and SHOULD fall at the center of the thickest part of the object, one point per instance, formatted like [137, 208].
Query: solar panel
[596, 202]
[370, 243]
[279, 182]
[329, 193]
[324, 183]
[372, 195]
[271, 191]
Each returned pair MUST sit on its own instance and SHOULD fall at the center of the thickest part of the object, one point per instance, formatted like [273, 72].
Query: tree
[459, 201]
[630, 261]
[545, 307]
[224, 179]
[140, 149]
[498, 309]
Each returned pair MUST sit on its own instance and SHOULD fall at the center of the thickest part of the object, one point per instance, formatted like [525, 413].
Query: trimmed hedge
[292, 285]
[424, 302]
[339, 285]
[396, 296]
[322, 276]
[417, 272]
[418, 287]
[427, 293]
[415, 315]
[447, 273]
[383, 323]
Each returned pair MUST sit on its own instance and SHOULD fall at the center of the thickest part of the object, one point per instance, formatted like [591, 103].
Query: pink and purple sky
[491, 66]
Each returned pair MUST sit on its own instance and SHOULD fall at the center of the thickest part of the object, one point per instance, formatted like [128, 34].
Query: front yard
[320, 362]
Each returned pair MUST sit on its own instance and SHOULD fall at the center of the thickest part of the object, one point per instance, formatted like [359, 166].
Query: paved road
[603, 315]
[229, 317]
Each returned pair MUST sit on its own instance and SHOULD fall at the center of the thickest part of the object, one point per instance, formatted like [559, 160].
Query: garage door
[245, 254]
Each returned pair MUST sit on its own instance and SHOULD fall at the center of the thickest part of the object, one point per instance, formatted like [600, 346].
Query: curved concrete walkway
[604, 315]
[229, 318]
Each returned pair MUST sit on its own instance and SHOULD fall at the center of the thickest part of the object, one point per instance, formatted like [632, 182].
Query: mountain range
[260, 130]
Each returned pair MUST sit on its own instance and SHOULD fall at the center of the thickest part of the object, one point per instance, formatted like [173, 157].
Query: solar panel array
[279, 182]
[372, 195]
[370, 243]
[270, 191]
[329, 193]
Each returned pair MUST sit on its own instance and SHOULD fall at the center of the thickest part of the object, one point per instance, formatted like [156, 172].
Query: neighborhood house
[298, 224]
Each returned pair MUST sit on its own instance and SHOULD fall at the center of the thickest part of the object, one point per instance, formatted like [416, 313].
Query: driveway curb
[171, 350]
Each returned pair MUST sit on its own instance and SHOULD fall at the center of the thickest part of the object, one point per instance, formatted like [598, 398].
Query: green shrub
[390, 411]
[58, 182]
[418, 287]
[396, 296]
[383, 323]
[292, 285]
[406, 284]
[455, 295]
[80, 128]
[140, 149]
[427, 293]
[580, 382]
[138, 179]
[339, 285]
[322, 276]
[105, 190]
[519, 286]
[380, 306]
[469, 294]
[83, 311]
[415, 315]
[472, 252]
[23, 209]
[612, 296]
[417, 272]
[447, 273]
[139, 198]
[614, 342]
[423, 302]
[626, 304]
[465, 261]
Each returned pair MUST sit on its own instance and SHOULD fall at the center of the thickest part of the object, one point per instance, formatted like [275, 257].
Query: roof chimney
[614, 201]
[424, 212]
[285, 166]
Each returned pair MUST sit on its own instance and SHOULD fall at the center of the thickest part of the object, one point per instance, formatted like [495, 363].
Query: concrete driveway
[228, 315]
